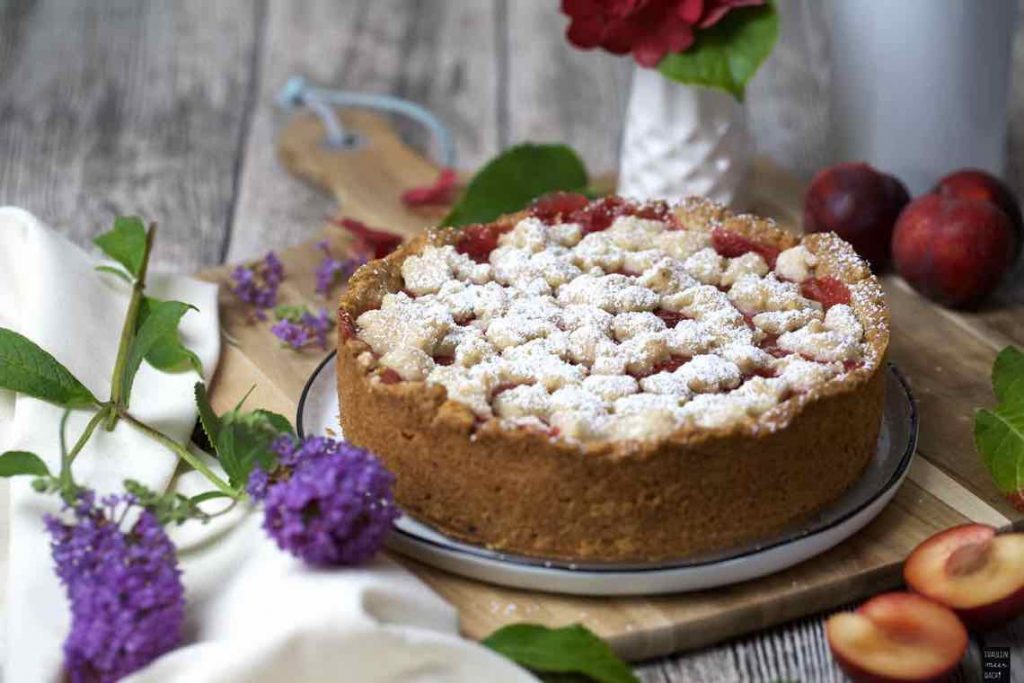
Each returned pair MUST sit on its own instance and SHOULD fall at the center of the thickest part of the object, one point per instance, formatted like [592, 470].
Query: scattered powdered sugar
[610, 387]
[674, 383]
[706, 265]
[710, 374]
[628, 325]
[522, 401]
[802, 374]
[779, 322]
[795, 264]
[627, 333]
[818, 343]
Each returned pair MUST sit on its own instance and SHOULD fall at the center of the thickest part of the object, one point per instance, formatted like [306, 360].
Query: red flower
[649, 29]
[442, 192]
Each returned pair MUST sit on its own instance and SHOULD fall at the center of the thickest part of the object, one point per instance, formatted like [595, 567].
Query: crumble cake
[614, 381]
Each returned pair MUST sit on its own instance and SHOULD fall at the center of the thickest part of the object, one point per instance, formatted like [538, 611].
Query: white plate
[318, 414]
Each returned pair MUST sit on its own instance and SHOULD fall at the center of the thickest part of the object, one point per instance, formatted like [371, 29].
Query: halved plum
[896, 637]
[974, 571]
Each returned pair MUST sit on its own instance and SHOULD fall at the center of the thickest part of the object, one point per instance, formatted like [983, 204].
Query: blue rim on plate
[784, 538]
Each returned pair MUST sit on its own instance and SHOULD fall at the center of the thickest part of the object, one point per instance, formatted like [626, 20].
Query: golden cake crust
[694, 491]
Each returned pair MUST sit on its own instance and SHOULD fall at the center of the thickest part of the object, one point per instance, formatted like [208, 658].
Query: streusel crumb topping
[621, 327]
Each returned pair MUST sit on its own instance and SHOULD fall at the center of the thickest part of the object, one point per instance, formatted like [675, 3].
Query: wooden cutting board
[947, 357]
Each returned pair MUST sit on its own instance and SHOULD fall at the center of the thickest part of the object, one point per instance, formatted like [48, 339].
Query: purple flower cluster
[328, 502]
[257, 285]
[299, 328]
[127, 600]
[331, 270]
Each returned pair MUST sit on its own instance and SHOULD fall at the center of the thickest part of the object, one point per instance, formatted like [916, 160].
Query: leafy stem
[182, 452]
[67, 484]
[117, 380]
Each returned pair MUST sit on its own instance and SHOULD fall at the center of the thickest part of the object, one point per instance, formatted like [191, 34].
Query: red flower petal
[618, 38]
[441, 192]
[621, 9]
[380, 243]
[585, 33]
[649, 29]
[680, 39]
[690, 10]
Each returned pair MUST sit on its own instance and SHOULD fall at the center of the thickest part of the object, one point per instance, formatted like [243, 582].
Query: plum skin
[954, 251]
[860, 204]
[973, 183]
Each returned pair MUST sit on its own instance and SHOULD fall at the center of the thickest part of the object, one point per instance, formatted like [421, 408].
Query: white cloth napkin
[254, 613]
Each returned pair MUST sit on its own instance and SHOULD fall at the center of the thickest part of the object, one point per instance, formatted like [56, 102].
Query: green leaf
[514, 178]
[209, 495]
[999, 437]
[245, 397]
[1008, 375]
[28, 369]
[290, 313]
[14, 463]
[245, 439]
[572, 649]
[156, 333]
[727, 55]
[999, 433]
[207, 418]
[168, 353]
[125, 243]
[279, 422]
[113, 270]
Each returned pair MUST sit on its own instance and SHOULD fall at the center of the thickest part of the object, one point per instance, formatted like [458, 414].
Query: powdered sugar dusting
[629, 333]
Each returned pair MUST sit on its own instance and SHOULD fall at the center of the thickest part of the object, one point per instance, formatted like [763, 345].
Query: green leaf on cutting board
[568, 650]
[727, 55]
[514, 178]
[999, 432]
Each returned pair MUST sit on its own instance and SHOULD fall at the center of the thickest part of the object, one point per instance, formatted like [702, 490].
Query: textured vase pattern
[682, 141]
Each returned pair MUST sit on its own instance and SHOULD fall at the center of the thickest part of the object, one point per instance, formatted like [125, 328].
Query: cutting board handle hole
[348, 142]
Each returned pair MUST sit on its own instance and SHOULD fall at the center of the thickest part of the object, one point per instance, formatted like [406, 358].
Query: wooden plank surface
[127, 107]
[166, 109]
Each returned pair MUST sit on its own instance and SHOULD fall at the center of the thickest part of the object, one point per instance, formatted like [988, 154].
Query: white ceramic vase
[682, 141]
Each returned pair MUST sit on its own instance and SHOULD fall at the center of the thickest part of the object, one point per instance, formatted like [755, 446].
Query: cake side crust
[695, 491]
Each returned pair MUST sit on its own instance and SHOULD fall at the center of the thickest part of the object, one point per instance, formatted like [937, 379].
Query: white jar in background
[919, 87]
[681, 140]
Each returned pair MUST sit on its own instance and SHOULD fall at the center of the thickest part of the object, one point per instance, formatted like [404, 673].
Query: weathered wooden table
[167, 110]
